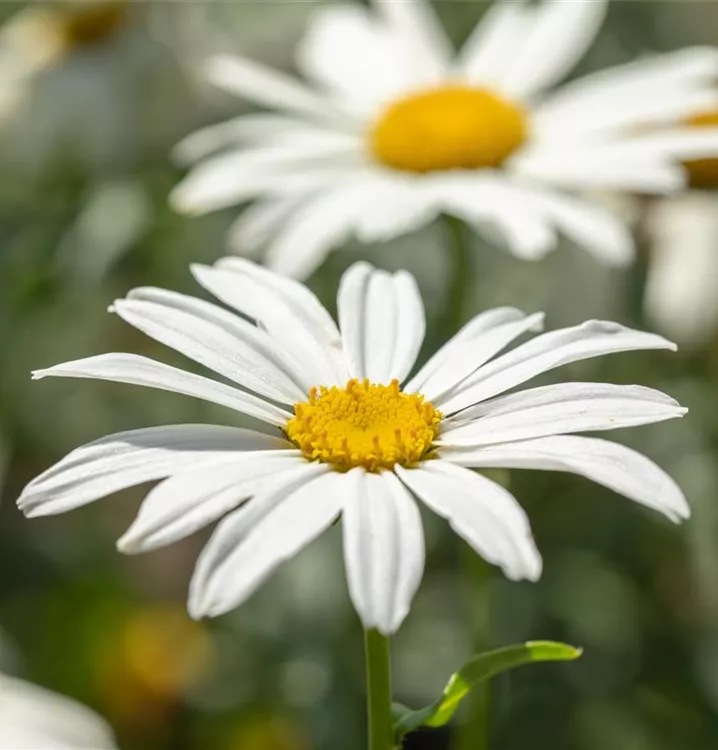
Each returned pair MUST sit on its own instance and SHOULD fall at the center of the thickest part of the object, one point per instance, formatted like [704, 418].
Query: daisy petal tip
[128, 544]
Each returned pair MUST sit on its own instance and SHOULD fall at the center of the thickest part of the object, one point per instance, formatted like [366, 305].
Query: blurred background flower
[84, 186]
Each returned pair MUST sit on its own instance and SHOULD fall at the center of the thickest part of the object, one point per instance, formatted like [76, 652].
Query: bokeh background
[85, 172]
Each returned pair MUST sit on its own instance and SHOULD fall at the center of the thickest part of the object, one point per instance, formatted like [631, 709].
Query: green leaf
[480, 668]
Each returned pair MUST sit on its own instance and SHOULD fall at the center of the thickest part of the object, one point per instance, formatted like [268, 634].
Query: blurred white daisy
[348, 439]
[39, 36]
[680, 296]
[394, 128]
[33, 718]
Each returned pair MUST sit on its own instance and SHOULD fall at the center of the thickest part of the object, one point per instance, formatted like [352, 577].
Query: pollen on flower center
[364, 424]
[452, 127]
[703, 173]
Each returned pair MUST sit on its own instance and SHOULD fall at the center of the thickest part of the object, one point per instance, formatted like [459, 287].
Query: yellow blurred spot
[150, 662]
[165, 650]
[270, 733]
[86, 23]
[703, 173]
[452, 127]
[364, 424]
[40, 35]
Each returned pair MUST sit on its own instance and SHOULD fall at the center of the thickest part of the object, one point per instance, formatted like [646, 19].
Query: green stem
[473, 733]
[459, 250]
[378, 691]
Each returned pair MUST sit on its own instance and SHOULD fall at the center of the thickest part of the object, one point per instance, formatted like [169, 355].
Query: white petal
[590, 226]
[290, 313]
[558, 409]
[619, 95]
[381, 317]
[625, 113]
[128, 458]
[593, 338]
[469, 355]
[259, 222]
[506, 208]
[421, 37]
[239, 175]
[136, 370]
[559, 35]
[621, 469]
[383, 548]
[577, 167]
[680, 296]
[248, 545]
[676, 144]
[398, 204]
[250, 129]
[493, 43]
[33, 718]
[215, 338]
[354, 55]
[322, 223]
[193, 498]
[271, 88]
[476, 327]
[480, 511]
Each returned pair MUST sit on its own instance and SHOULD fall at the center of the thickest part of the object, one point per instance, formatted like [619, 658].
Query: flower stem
[378, 691]
[461, 277]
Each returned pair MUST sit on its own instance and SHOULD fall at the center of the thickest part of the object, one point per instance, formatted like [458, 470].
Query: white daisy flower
[39, 36]
[393, 128]
[32, 717]
[680, 296]
[348, 440]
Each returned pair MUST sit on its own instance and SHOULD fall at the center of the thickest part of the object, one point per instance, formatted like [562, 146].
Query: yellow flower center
[703, 173]
[364, 424]
[90, 21]
[452, 127]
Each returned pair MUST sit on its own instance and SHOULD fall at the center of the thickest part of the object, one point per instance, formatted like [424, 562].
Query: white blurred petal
[557, 37]
[624, 94]
[33, 718]
[355, 56]
[493, 42]
[239, 175]
[271, 88]
[680, 296]
[250, 129]
[421, 38]
[496, 202]
[581, 167]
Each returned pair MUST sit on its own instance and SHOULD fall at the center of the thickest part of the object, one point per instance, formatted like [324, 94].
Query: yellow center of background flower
[364, 424]
[86, 23]
[453, 127]
[703, 173]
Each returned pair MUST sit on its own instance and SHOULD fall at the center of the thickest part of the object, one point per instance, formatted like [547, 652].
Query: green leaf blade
[481, 668]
